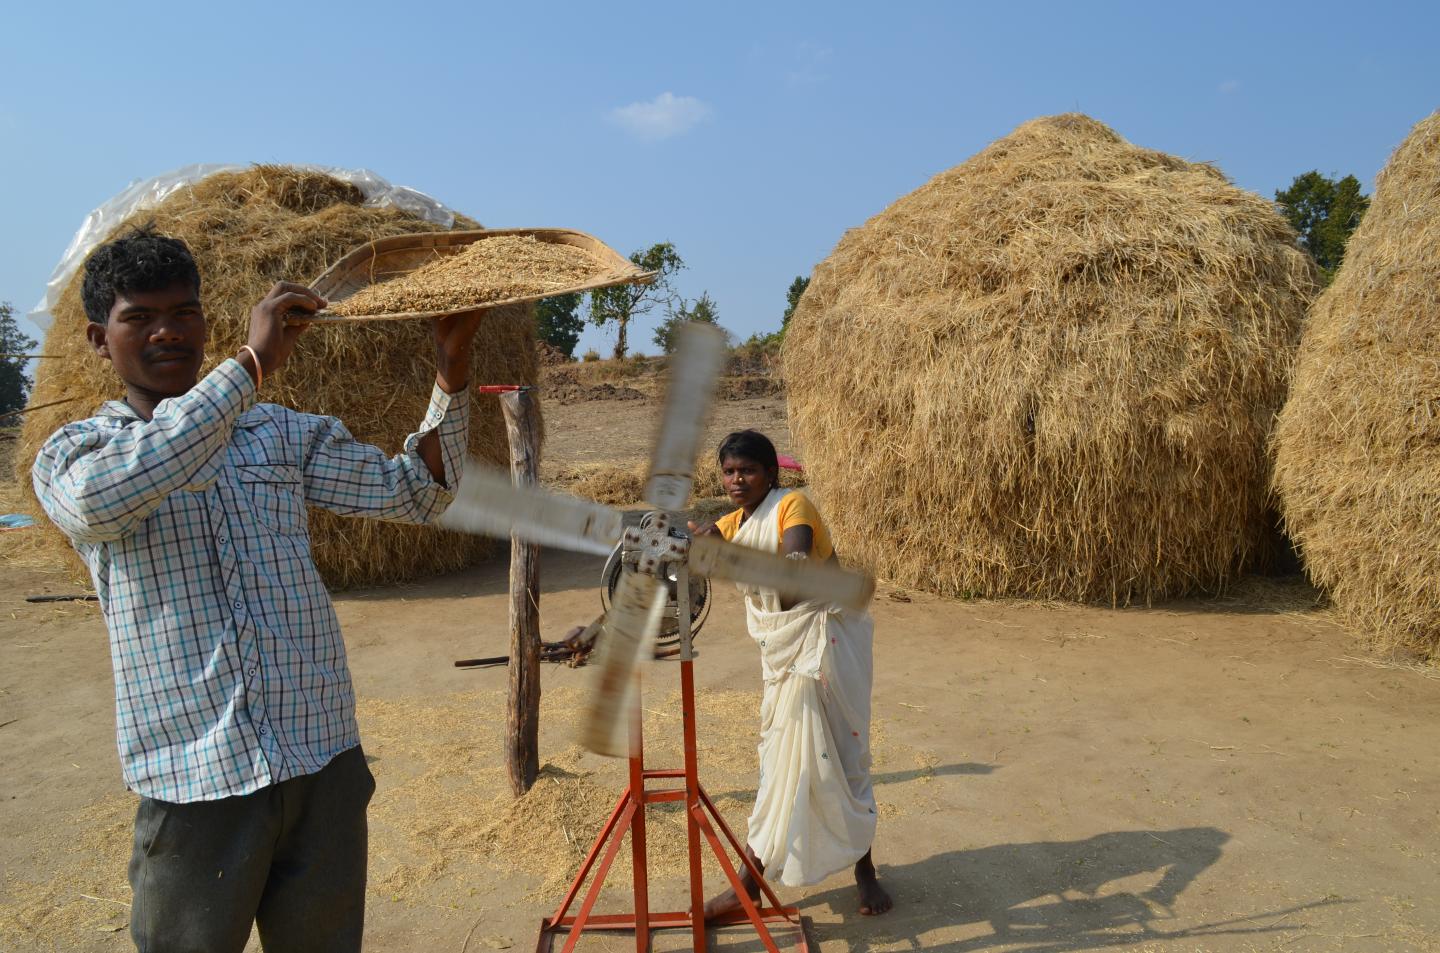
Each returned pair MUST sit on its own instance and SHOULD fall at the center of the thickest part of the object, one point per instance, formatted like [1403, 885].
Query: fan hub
[655, 544]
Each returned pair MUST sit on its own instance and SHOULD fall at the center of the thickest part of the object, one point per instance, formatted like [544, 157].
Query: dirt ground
[608, 431]
[1234, 774]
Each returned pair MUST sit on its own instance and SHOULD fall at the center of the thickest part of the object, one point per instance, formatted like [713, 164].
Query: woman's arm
[797, 539]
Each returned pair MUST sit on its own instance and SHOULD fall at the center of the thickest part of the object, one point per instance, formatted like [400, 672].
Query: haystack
[1358, 443]
[247, 230]
[1051, 371]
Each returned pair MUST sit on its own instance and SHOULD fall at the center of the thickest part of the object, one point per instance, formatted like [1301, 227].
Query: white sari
[815, 809]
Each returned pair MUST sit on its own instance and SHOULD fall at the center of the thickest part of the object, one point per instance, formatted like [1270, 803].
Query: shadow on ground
[887, 777]
[1046, 897]
[931, 771]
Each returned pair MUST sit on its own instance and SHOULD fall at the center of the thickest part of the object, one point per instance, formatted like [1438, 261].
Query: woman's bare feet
[873, 898]
[728, 902]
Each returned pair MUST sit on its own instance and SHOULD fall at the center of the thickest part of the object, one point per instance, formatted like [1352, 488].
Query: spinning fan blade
[488, 503]
[693, 368]
[798, 579]
[627, 640]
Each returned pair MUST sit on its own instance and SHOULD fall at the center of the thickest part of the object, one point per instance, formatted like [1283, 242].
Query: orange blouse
[795, 510]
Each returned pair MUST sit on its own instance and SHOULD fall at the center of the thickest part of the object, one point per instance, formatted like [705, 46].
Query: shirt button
[223, 539]
[262, 729]
[237, 605]
[252, 673]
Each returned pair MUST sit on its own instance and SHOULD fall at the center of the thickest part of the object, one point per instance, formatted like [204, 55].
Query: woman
[815, 811]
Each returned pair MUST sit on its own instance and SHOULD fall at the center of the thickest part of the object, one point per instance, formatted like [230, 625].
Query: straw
[1358, 443]
[1051, 372]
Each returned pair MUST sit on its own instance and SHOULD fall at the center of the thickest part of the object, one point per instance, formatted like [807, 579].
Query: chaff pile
[1051, 371]
[1358, 443]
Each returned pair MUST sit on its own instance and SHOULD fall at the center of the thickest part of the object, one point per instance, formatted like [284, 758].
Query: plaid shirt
[230, 670]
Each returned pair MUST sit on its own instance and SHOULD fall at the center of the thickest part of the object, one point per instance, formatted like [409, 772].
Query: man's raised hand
[453, 336]
[270, 337]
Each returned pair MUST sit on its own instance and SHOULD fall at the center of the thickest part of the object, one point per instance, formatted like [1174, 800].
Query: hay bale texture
[1051, 372]
[1358, 443]
[247, 230]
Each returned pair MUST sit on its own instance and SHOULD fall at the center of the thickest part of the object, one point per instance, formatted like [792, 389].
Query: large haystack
[1051, 371]
[1358, 443]
[247, 230]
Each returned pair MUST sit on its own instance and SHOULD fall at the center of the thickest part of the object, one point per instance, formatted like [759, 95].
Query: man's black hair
[140, 260]
[749, 445]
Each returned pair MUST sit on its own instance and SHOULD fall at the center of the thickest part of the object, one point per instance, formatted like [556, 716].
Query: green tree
[558, 322]
[623, 303]
[1325, 212]
[701, 310]
[792, 300]
[770, 343]
[14, 385]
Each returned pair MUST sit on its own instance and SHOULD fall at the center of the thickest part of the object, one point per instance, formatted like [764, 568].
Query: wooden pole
[522, 740]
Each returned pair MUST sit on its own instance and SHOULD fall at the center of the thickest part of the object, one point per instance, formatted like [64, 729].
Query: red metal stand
[702, 820]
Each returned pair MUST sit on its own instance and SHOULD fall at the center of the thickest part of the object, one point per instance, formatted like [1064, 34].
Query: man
[235, 714]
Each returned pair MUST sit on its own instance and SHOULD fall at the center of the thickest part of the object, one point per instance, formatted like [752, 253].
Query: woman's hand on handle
[708, 528]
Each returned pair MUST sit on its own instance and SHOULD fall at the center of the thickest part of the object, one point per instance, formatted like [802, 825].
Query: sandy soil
[1206, 775]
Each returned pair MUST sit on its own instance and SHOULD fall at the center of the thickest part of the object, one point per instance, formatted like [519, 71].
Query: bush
[590, 356]
[760, 354]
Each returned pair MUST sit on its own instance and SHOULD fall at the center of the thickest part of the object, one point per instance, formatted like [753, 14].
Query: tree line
[14, 346]
[560, 320]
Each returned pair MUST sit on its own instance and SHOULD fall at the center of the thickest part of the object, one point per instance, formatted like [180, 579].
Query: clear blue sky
[750, 135]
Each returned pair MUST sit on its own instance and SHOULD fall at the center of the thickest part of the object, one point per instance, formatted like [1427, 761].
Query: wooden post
[522, 741]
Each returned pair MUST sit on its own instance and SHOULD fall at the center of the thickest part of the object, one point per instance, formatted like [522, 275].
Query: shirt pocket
[276, 496]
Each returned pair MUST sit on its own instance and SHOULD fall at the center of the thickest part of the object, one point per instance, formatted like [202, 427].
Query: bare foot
[873, 898]
[729, 902]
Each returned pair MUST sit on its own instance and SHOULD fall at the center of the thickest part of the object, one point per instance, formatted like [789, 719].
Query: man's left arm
[454, 336]
[346, 476]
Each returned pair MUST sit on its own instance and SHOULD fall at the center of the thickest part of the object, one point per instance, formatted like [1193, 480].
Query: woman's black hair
[750, 445]
[140, 260]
